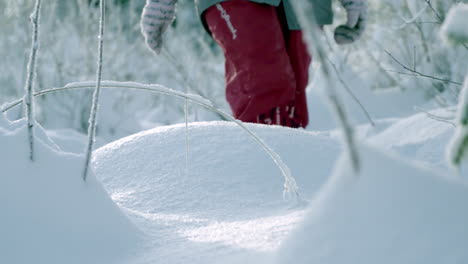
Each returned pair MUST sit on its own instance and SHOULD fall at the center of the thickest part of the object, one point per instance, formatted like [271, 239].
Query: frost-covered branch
[112, 85]
[94, 107]
[304, 11]
[290, 186]
[29, 87]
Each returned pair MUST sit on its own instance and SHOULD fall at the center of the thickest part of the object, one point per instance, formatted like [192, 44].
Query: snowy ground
[209, 193]
[216, 196]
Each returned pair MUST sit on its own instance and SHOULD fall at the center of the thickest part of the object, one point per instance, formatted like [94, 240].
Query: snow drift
[225, 170]
[47, 213]
[221, 202]
[391, 213]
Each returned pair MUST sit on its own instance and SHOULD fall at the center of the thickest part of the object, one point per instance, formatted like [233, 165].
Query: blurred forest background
[400, 33]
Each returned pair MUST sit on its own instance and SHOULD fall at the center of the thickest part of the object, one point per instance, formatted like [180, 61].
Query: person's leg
[300, 62]
[259, 75]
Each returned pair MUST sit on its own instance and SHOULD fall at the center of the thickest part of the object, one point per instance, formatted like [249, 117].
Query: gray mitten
[357, 17]
[156, 17]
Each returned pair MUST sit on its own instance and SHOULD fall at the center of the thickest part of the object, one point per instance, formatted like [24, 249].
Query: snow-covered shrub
[408, 30]
[455, 31]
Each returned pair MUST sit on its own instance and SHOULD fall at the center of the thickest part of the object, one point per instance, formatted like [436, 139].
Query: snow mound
[225, 171]
[419, 138]
[48, 214]
[391, 213]
[223, 201]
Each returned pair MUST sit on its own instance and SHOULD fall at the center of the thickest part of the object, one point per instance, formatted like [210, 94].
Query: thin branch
[427, 22]
[438, 118]
[366, 113]
[29, 87]
[428, 2]
[303, 10]
[97, 91]
[188, 88]
[466, 46]
[419, 74]
[402, 73]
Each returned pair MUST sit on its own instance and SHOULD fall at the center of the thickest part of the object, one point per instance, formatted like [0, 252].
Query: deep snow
[392, 212]
[224, 203]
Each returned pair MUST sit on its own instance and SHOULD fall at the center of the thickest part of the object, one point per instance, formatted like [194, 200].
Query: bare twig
[428, 2]
[426, 22]
[366, 113]
[438, 118]
[402, 73]
[188, 88]
[419, 74]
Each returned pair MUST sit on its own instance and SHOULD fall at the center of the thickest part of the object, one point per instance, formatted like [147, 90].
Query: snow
[386, 103]
[405, 214]
[418, 138]
[224, 203]
[454, 28]
[48, 214]
[228, 199]
[211, 192]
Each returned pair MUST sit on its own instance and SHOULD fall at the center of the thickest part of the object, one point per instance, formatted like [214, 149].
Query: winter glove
[156, 17]
[357, 16]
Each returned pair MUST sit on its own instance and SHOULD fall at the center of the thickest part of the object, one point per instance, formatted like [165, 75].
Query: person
[266, 59]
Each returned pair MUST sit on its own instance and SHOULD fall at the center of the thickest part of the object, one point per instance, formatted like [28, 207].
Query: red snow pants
[266, 64]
